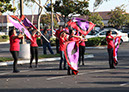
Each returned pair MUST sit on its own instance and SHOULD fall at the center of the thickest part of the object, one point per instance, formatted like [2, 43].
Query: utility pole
[21, 8]
[21, 13]
[52, 18]
[24, 48]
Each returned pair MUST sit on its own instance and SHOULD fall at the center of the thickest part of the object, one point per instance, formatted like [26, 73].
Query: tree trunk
[39, 15]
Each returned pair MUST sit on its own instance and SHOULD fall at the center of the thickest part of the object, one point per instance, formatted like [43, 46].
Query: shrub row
[97, 41]
[4, 38]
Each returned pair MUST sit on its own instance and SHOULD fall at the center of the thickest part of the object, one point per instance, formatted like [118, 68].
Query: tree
[66, 7]
[118, 17]
[46, 20]
[96, 19]
[98, 2]
[6, 6]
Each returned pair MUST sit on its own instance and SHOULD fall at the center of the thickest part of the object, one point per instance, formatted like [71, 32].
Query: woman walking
[14, 47]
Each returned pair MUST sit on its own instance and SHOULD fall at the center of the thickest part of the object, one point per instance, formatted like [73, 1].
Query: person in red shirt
[34, 48]
[110, 47]
[82, 49]
[14, 47]
[62, 40]
[57, 34]
[72, 37]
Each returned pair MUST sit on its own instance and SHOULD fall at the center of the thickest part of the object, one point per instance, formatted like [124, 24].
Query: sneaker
[30, 67]
[16, 71]
[36, 66]
[65, 68]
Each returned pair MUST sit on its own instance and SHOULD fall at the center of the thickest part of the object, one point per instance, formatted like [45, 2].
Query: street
[94, 76]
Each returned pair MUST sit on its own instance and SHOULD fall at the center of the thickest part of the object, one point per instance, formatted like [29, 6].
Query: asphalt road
[94, 76]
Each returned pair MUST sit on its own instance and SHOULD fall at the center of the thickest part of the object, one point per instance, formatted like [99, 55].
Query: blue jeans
[49, 48]
[62, 59]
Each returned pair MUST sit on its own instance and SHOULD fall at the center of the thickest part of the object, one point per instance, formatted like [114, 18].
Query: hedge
[4, 38]
[97, 41]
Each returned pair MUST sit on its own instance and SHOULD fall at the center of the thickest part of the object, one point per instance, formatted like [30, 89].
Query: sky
[105, 6]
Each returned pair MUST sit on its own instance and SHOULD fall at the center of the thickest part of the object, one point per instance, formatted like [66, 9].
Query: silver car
[124, 36]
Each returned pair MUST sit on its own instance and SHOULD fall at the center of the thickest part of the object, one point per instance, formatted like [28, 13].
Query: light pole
[52, 18]
[24, 48]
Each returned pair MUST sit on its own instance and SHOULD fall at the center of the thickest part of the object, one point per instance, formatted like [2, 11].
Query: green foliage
[97, 41]
[48, 56]
[2, 59]
[65, 7]
[46, 19]
[98, 2]
[52, 41]
[4, 38]
[118, 17]
[6, 6]
[96, 19]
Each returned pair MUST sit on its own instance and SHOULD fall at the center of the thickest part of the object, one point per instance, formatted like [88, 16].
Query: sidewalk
[40, 60]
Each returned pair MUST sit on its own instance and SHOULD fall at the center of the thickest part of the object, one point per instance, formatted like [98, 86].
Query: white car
[124, 36]
[2, 33]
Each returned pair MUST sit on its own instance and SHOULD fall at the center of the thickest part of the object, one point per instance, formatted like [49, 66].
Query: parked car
[2, 33]
[124, 36]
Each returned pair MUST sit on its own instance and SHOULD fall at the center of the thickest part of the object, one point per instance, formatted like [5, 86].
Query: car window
[103, 33]
[113, 32]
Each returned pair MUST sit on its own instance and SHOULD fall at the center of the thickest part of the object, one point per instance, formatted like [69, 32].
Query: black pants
[15, 55]
[34, 53]
[57, 46]
[111, 60]
[81, 54]
[68, 72]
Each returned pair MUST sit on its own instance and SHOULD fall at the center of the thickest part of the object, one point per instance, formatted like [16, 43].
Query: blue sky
[106, 6]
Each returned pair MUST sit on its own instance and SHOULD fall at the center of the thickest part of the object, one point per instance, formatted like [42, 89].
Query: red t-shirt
[110, 42]
[82, 43]
[62, 43]
[14, 43]
[57, 34]
[34, 42]
[71, 38]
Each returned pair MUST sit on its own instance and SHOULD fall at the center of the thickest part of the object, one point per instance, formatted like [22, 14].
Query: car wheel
[121, 41]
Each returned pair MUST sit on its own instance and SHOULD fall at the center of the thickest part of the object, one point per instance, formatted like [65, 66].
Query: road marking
[5, 73]
[22, 71]
[124, 84]
[53, 78]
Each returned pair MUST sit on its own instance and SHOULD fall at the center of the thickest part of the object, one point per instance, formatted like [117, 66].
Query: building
[5, 24]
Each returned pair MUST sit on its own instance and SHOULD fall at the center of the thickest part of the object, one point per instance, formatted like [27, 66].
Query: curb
[5, 42]
[53, 47]
[39, 60]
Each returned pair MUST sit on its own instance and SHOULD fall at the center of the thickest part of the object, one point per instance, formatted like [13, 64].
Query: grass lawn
[4, 59]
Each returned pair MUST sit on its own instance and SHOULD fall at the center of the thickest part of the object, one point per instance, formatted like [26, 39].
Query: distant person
[82, 49]
[15, 47]
[63, 40]
[45, 43]
[34, 48]
[110, 47]
[57, 37]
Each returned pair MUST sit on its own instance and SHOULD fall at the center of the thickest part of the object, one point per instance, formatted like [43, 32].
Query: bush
[97, 41]
[4, 38]
[52, 41]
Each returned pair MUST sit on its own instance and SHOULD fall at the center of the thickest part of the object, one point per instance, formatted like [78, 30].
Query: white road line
[124, 84]
[5, 73]
[22, 71]
[53, 78]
